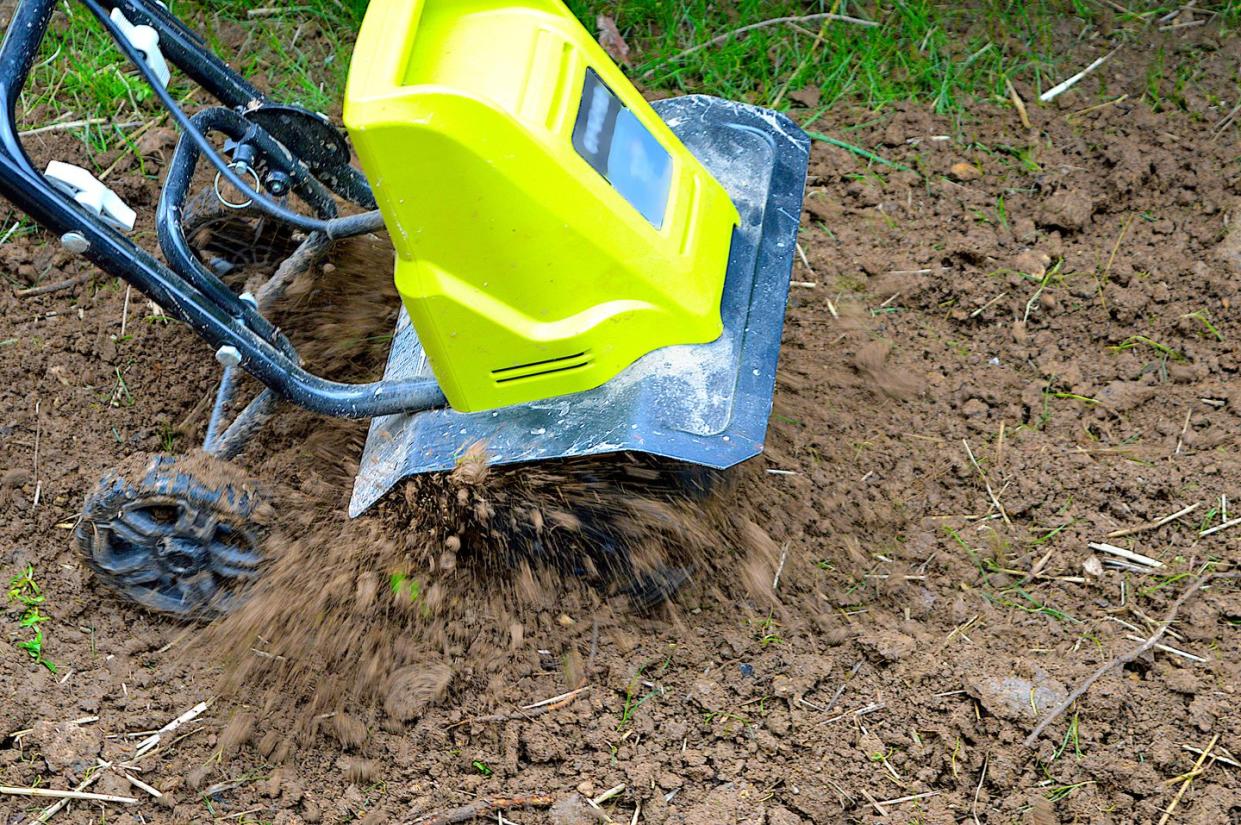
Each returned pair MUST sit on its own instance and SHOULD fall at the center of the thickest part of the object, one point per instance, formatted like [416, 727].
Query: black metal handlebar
[190, 293]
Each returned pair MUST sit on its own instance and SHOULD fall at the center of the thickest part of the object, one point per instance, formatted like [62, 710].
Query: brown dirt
[906, 652]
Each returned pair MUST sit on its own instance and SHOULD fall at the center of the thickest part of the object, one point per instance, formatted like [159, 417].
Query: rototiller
[581, 272]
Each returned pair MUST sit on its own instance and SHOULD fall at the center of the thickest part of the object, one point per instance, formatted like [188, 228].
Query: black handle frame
[185, 289]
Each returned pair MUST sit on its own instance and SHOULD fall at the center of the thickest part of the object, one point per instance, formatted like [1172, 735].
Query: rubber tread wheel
[176, 536]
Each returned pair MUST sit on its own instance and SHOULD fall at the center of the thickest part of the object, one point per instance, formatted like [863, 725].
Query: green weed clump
[25, 592]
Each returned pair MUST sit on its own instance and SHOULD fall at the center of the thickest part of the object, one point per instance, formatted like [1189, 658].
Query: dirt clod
[415, 688]
[66, 748]
[349, 730]
[1069, 210]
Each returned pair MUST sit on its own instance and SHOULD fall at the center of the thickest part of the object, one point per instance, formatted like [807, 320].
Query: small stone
[668, 780]
[1093, 567]
[708, 695]
[891, 645]
[197, 777]
[871, 745]
[1183, 373]
[783, 687]
[1121, 396]
[358, 771]
[564, 620]
[157, 140]
[809, 97]
[351, 799]
[291, 791]
[1183, 681]
[271, 786]
[238, 732]
[1024, 229]
[268, 744]
[586, 788]
[964, 171]
[111, 784]
[1017, 698]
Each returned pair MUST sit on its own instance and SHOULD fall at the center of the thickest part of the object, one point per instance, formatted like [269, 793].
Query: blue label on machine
[619, 147]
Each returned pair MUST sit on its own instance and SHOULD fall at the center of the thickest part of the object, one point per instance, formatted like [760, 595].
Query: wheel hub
[182, 556]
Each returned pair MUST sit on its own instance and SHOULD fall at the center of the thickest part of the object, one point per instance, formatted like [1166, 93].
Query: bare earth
[1018, 344]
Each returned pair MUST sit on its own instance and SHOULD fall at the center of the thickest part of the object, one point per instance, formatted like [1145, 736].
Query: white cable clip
[91, 194]
[146, 40]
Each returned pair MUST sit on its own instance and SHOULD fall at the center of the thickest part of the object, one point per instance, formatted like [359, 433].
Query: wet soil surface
[1012, 344]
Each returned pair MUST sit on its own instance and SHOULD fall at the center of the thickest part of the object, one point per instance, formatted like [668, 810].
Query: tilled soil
[1007, 347]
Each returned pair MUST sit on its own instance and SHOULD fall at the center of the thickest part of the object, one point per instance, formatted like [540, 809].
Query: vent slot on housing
[522, 372]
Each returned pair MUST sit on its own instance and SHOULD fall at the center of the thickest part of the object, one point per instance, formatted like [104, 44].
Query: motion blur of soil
[451, 560]
[1020, 343]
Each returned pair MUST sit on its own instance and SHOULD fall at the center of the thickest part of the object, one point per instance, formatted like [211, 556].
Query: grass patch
[300, 54]
[1060, 792]
[941, 54]
[1163, 353]
[119, 394]
[1051, 534]
[916, 52]
[633, 701]
[81, 73]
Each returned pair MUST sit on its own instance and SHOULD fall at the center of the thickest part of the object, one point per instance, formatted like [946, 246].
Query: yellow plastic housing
[525, 270]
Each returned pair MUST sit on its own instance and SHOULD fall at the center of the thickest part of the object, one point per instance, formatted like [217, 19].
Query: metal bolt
[228, 356]
[278, 183]
[74, 242]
